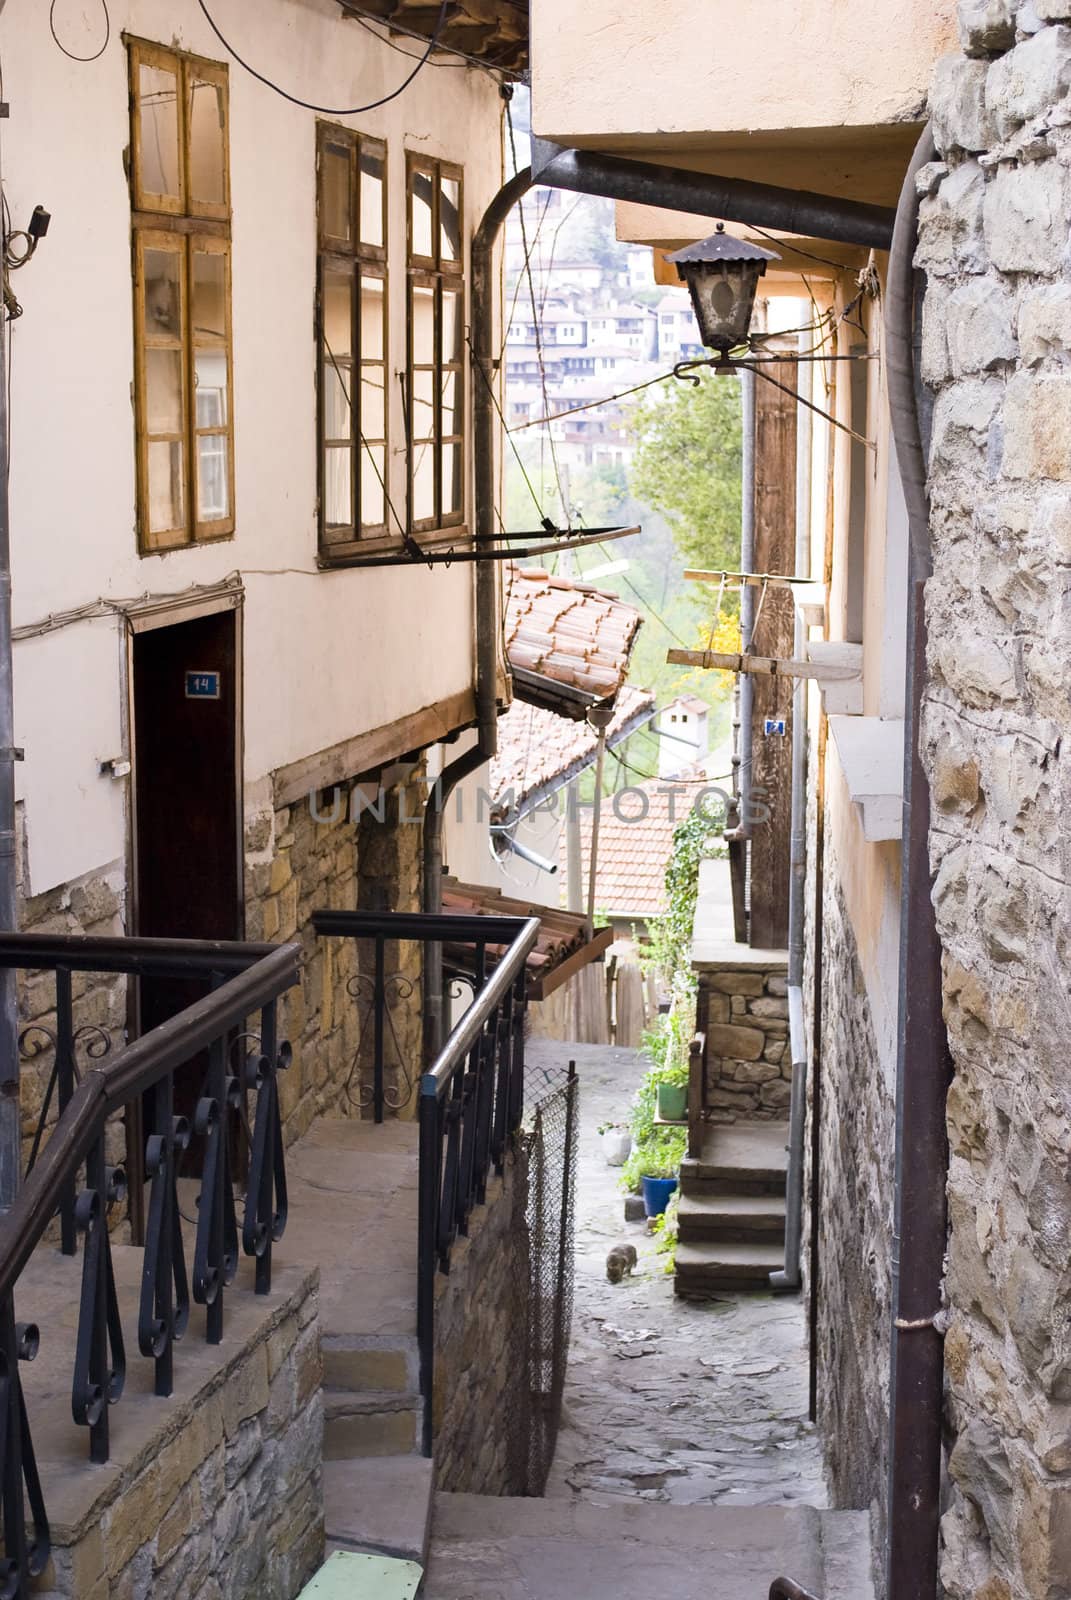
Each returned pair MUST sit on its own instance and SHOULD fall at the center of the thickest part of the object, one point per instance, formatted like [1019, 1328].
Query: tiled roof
[572, 634]
[635, 844]
[560, 948]
[539, 749]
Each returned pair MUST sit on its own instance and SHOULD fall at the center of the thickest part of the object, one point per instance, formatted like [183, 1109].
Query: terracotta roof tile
[538, 747]
[568, 632]
[635, 844]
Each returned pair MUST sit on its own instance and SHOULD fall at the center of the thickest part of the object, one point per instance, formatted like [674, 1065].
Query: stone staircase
[502, 1549]
[377, 1486]
[732, 1209]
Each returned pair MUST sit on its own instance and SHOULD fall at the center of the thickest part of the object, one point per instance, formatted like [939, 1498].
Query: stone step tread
[749, 1150]
[709, 1216]
[509, 1549]
[348, 1576]
[368, 1402]
[380, 1505]
[728, 1261]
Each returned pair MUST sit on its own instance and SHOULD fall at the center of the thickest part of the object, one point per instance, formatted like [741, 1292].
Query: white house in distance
[683, 735]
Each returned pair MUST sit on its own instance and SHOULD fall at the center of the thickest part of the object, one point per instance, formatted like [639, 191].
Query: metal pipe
[10, 1141]
[923, 1067]
[593, 861]
[482, 323]
[789, 1278]
[798, 211]
[747, 597]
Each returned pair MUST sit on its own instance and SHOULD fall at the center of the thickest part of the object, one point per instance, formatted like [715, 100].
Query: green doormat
[344, 1576]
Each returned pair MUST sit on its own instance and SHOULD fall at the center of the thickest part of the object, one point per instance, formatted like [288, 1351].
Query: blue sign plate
[775, 725]
[202, 686]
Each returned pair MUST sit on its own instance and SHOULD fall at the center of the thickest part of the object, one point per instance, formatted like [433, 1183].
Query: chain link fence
[551, 1128]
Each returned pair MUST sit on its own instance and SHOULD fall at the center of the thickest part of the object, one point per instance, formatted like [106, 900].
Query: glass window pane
[373, 500]
[338, 486]
[208, 126]
[213, 487]
[453, 327]
[424, 484]
[372, 415]
[336, 192]
[371, 318]
[337, 423]
[210, 388]
[158, 131]
[163, 297]
[451, 478]
[209, 295]
[423, 314]
[163, 391]
[166, 503]
[420, 213]
[450, 219]
[451, 399]
[338, 314]
[423, 418]
[371, 198]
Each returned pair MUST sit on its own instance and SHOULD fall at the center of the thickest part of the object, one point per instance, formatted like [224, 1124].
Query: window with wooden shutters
[352, 340]
[435, 395]
[180, 192]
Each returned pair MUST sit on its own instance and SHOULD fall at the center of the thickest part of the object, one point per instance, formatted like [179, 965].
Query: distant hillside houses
[603, 326]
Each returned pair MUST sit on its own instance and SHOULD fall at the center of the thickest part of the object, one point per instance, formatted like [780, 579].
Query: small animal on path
[620, 1262]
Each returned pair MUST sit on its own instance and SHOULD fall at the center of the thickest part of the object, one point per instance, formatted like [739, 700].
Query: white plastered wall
[328, 655]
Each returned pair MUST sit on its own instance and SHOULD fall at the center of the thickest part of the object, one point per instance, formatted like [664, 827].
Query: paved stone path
[666, 1399]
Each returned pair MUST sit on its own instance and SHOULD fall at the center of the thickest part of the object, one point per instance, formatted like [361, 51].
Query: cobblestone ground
[669, 1400]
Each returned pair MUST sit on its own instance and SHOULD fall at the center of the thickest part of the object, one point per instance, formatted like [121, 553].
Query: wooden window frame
[186, 227]
[360, 261]
[443, 275]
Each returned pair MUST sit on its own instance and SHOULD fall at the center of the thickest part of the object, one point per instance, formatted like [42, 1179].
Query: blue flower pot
[656, 1193]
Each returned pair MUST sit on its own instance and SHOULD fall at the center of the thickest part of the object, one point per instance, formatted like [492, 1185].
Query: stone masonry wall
[743, 1011]
[855, 1187]
[329, 851]
[481, 1312]
[995, 218]
[223, 1498]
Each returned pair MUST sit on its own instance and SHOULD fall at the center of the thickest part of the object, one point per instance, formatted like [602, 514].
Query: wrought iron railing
[472, 1097]
[71, 1178]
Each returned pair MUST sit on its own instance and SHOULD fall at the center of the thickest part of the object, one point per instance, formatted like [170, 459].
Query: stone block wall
[481, 1315]
[855, 1206]
[995, 217]
[743, 1010]
[224, 1499]
[329, 851]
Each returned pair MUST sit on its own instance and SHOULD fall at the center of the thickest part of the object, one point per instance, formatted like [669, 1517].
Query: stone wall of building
[855, 1205]
[341, 849]
[481, 1313]
[995, 215]
[222, 1498]
[743, 1011]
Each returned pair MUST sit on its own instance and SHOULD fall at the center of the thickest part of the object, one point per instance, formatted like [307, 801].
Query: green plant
[667, 1232]
[660, 1156]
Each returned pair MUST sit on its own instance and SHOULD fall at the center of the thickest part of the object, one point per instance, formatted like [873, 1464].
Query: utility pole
[10, 1146]
[600, 718]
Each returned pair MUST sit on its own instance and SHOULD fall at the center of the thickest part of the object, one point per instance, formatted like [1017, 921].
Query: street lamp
[722, 274]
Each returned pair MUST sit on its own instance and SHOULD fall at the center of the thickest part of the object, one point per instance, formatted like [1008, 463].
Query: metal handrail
[104, 1090]
[436, 1081]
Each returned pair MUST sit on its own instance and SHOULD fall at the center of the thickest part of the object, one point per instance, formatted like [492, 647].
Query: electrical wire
[70, 53]
[308, 105]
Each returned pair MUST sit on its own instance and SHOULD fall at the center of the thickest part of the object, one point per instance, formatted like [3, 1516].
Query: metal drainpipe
[923, 1062]
[789, 1278]
[482, 323]
[747, 594]
[10, 1146]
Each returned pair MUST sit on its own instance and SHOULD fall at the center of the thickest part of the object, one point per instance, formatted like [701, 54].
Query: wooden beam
[375, 748]
[763, 666]
[593, 950]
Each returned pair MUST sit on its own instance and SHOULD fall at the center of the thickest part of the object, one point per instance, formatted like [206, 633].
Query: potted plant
[616, 1143]
[673, 1093]
[653, 1170]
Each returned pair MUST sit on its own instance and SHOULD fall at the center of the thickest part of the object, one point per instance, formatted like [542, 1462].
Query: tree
[687, 465]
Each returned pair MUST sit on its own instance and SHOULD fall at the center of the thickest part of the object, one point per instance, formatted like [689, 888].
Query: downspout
[923, 1063]
[747, 596]
[789, 1278]
[482, 328]
[10, 1139]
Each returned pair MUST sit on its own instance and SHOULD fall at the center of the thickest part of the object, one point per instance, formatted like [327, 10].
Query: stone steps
[712, 1266]
[380, 1506]
[508, 1549]
[370, 1423]
[731, 1217]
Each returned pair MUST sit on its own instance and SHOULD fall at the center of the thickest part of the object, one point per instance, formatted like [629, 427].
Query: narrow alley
[685, 1460]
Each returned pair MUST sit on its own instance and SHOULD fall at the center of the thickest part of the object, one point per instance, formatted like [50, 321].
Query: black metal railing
[71, 1178]
[472, 1097]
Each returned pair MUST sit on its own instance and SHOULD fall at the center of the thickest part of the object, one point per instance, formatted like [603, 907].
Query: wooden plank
[761, 666]
[376, 748]
[540, 988]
